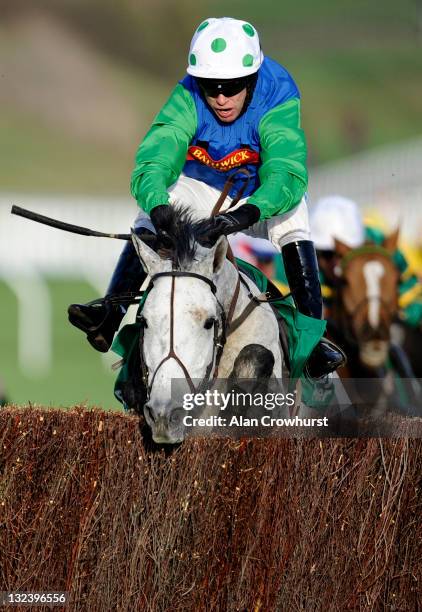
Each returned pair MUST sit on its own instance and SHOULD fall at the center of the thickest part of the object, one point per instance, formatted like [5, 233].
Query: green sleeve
[162, 153]
[283, 174]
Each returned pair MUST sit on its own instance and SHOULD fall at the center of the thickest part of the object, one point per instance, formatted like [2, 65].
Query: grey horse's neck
[226, 286]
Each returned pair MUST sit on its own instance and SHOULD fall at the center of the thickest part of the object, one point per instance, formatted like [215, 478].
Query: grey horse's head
[181, 323]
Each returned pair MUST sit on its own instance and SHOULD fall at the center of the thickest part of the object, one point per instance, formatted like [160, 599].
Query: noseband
[218, 340]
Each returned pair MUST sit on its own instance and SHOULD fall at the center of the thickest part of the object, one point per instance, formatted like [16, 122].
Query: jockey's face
[226, 108]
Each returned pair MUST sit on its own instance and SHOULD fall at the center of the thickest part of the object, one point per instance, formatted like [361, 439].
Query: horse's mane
[177, 234]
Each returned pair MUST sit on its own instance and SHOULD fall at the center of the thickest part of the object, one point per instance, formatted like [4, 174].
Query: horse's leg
[252, 370]
[410, 339]
[253, 362]
[134, 392]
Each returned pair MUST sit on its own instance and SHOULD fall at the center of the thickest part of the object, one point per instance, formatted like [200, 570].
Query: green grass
[43, 155]
[39, 158]
[377, 88]
[292, 14]
[78, 374]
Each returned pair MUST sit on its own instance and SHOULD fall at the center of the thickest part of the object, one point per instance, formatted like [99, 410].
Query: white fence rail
[28, 245]
[30, 252]
[388, 180]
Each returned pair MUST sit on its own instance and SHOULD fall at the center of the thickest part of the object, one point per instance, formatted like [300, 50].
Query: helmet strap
[250, 88]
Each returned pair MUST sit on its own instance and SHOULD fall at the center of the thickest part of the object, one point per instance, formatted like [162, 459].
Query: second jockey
[234, 109]
[335, 217]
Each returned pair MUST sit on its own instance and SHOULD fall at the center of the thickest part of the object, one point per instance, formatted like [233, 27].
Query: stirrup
[76, 315]
[99, 336]
[99, 342]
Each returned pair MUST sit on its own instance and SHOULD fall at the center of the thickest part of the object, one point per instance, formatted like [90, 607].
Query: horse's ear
[149, 258]
[220, 254]
[390, 242]
[340, 248]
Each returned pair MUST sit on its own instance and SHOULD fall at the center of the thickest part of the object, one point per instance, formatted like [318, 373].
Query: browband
[174, 273]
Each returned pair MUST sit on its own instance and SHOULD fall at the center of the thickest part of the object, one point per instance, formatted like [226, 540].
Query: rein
[255, 300]
[347, 331]
[227, 186]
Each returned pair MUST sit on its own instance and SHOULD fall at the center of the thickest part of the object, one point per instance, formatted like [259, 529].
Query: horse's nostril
[176, 416]
[149, 412]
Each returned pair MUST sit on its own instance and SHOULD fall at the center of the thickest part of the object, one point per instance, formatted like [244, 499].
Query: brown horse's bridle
[370, 250]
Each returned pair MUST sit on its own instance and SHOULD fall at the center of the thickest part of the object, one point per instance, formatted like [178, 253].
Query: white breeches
[200, 198]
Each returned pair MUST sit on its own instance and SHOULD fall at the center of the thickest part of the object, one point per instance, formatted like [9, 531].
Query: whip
[67, 227]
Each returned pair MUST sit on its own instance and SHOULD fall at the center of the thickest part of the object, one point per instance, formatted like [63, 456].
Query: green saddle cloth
[303, 333]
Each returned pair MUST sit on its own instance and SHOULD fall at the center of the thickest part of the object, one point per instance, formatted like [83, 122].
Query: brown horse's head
[368, 296]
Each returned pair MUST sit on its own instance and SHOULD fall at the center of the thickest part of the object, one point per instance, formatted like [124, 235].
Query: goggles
[212, 88]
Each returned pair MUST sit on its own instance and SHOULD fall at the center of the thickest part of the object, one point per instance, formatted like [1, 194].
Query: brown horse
[361, 316]
[366, 300]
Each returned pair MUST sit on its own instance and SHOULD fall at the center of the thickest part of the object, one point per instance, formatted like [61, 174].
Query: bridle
[226, 322]
[219, 340]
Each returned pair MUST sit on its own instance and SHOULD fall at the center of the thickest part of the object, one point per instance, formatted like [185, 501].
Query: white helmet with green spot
[224, 48]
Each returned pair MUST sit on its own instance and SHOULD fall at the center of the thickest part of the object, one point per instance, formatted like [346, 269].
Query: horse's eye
[209, 322]
[142, 322]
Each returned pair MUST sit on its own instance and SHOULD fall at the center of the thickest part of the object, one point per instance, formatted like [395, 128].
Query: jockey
[335, 217]
[234, 109]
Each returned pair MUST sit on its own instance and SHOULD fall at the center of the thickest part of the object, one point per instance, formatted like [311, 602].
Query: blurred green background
[80, 81]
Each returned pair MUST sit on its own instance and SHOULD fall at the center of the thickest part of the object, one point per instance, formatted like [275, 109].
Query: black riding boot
[301, 267]
[100, 319]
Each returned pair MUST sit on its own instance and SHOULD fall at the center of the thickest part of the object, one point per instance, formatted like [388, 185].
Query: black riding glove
[229, 223]
[238, 220]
